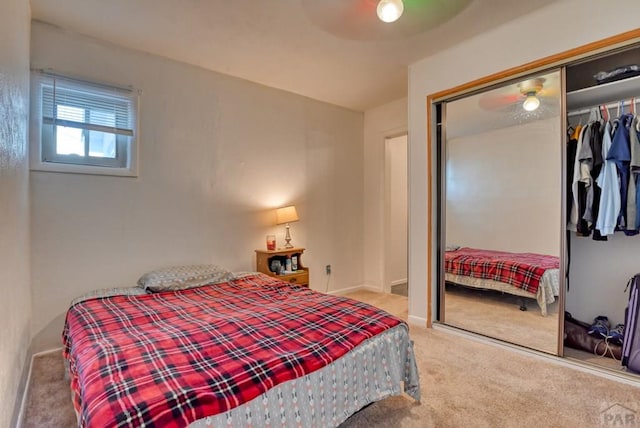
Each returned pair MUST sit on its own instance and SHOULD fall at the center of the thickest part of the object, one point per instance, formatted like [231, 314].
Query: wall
[385, 121]
[597, 281]
[567, 24]
[217, 154]
[504, 189]
[396, 228]
[15, 304]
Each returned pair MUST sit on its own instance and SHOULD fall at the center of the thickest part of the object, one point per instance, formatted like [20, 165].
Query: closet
[513, 180]
[604, 252]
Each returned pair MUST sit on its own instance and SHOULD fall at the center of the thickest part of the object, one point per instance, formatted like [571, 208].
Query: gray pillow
[108, 292]
[181, 277]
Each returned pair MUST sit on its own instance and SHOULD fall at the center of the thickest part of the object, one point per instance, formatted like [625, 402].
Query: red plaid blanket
[522, 270]
[168, 359]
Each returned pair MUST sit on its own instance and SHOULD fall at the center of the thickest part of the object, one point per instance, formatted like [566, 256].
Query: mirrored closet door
[501, 207]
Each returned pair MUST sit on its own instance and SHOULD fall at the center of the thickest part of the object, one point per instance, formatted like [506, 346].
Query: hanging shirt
[633, 194]
[582, 226]
[621, 155]
[586, 192]
[596, 148]
[597, 130]
[574, 217]
[572, 145]
[610, 189]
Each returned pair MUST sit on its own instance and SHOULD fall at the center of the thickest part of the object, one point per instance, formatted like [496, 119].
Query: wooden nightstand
[265, 257]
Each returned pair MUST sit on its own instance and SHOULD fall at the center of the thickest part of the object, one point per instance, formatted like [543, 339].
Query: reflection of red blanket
[522, 270]
[167, 359]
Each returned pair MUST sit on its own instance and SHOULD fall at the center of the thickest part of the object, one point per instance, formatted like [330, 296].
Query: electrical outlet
[327, 269]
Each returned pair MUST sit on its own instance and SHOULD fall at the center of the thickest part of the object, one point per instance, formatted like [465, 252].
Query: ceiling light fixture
[530, 89]
[531, 102]
[390, 10]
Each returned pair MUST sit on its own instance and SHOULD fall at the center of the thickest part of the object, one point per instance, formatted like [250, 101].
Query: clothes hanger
[635, 109]
[604, 112]
[613, 123]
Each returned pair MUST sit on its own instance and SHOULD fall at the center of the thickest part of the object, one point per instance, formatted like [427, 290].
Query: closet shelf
[605, 93]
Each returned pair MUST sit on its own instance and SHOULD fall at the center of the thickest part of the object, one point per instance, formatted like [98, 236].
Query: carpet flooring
[400, 289]
[498, 315]
[465, 383]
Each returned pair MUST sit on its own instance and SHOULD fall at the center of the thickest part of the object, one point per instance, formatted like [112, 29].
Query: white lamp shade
[286, 215]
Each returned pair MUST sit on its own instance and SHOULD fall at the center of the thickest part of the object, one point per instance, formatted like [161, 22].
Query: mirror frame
[557, 60]
[441, 148]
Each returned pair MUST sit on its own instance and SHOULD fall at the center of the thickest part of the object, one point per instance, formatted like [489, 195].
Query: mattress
[546, 293]
[253, 347]
[522, 274]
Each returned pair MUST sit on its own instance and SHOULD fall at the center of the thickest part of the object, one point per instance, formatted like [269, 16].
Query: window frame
[43, 156]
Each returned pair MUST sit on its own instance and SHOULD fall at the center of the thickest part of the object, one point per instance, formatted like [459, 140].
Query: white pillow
[181, 277]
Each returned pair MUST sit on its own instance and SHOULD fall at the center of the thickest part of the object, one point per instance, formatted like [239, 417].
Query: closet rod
[609, 106]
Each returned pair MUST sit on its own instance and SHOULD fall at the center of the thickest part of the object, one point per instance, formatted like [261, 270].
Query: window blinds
[79, 104]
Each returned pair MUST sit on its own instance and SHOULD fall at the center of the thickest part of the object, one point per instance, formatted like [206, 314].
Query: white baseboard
[356, 288]
[25, 394]
[399, 281]
[414, 320]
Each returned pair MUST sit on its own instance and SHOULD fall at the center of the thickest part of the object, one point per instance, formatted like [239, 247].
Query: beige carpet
[465, 383]
[498, 315]
[49, 398]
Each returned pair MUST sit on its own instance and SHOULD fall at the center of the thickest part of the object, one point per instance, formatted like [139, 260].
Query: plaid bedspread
[168, 359]
[522, 270]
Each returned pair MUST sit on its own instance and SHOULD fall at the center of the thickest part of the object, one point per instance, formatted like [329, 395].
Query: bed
[529, 275]
[244, 350]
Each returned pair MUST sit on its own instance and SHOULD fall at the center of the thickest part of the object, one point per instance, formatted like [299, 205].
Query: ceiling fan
[367, 19]
[528, 94]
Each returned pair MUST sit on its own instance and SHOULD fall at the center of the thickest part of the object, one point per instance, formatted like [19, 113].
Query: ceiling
[330, 50]
[501, 107]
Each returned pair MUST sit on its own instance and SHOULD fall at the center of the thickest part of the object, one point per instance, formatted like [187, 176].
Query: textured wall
[217, 154]
[15, 304]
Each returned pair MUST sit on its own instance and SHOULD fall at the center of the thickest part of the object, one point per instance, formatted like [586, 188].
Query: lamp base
[287, 238]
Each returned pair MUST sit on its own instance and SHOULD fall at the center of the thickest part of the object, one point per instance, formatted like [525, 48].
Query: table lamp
[286, 215]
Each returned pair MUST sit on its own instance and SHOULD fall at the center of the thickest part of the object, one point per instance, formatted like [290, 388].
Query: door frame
[386, 213]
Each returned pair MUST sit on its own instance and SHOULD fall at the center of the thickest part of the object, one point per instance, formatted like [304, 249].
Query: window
[82, 127]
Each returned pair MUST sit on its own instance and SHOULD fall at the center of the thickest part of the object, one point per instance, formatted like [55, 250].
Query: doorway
[395, 215]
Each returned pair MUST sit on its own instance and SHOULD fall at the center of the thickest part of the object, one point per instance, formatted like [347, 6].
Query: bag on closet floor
[576, 336]
[631, 344]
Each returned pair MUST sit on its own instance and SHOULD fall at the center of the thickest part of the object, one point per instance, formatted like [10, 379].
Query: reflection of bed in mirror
[529, 275]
